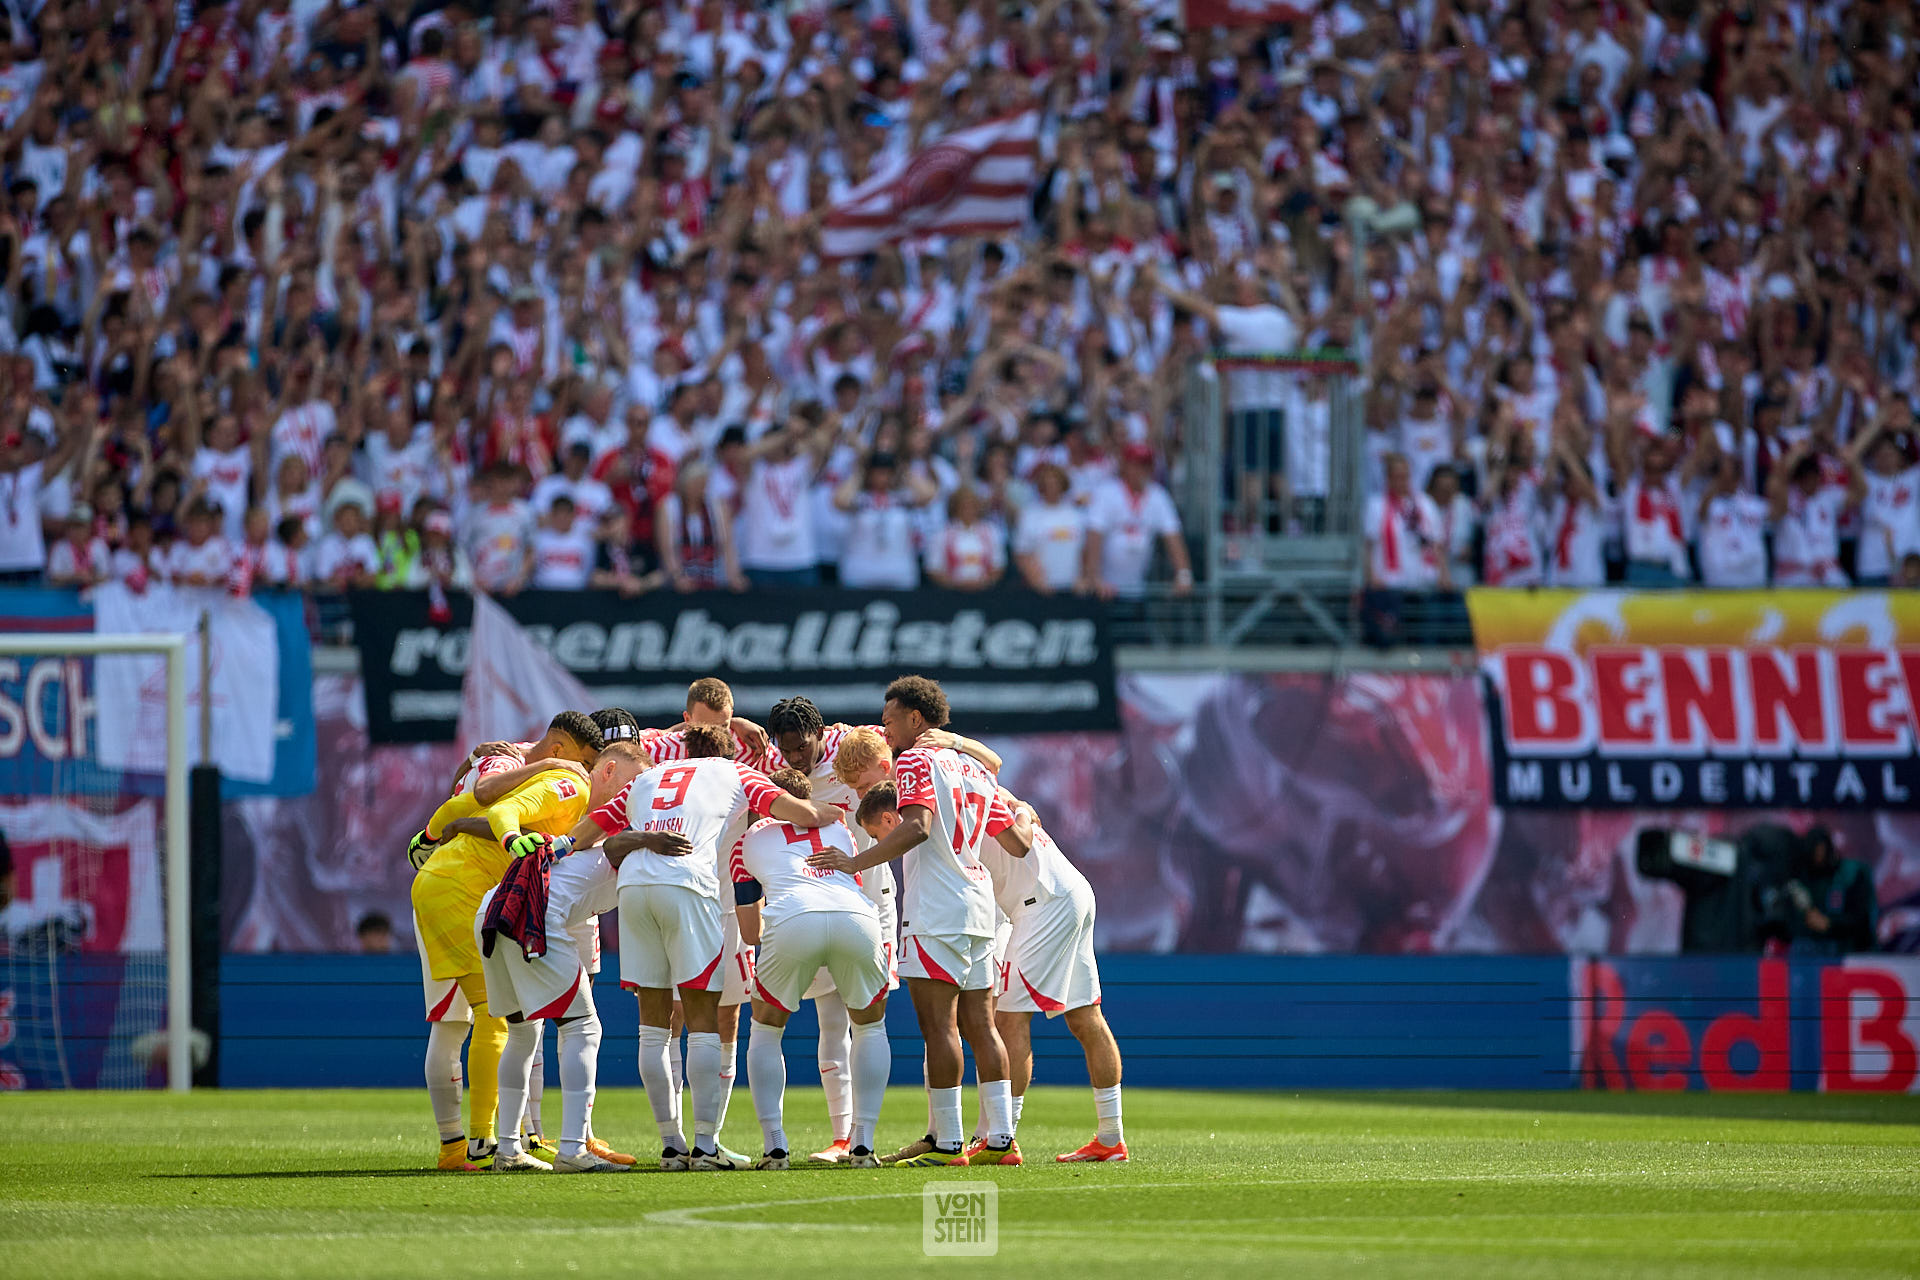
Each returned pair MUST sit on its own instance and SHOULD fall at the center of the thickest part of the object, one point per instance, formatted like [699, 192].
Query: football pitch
[330, 1184]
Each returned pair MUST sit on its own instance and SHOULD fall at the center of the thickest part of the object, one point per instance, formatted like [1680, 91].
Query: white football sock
[536, 1087]
[836, 1051]
[996, 1111]
[946, 1117]
[728, 1059]
[767, 1079]
[979, 1130]
[703, 1078]
[656, 1074]
[444, 1077]
[872, 1057]
[1106, 1108]
[679, 1066]
[579, 1063]
[928, 1084]
[1019, 1104]
[516, 1065]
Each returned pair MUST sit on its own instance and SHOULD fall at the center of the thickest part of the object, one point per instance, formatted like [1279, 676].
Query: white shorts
[670, 937]
[1047, 965]
[587, 939]
[553, 985]
[822, 984]
[844, 944]
[736, 961]
[959, 960]
[444, 1001]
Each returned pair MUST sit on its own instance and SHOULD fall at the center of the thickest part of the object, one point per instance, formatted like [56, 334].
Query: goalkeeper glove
[419, 849]
[528, 842]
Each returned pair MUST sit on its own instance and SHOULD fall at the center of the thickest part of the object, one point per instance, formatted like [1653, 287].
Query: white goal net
[94, 931]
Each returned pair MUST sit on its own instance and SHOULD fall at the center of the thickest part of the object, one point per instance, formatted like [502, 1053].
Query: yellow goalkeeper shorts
[443, 911]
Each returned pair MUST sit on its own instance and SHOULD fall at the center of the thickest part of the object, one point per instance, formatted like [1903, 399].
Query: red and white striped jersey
[826, 787]
[662, 745]
[699, 799]
[492, 764]
[949, 892]
[774, 854]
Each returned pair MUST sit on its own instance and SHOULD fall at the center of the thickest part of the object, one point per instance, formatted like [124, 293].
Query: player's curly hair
[793, 782]
[581, 728]
[708, 740]
[918, 693]
[795, 715]
[616, 724]
[880, 798]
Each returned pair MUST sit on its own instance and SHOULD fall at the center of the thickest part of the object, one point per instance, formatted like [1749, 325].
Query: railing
[1279, 537]
[1281, 610]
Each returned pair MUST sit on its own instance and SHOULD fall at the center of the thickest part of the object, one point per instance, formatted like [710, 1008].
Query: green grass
[1484, 1185]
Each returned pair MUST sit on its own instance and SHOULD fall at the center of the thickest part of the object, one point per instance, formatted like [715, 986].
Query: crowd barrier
[1247, 1022]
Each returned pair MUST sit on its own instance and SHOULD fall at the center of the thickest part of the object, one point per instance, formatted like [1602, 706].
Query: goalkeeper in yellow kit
[447, 893]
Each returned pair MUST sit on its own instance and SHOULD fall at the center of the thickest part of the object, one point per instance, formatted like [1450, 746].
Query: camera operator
[1833, 908]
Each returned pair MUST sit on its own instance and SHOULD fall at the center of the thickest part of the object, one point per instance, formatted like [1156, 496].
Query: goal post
[175, 856]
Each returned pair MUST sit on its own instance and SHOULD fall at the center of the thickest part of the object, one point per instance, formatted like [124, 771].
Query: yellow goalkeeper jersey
[551, 803]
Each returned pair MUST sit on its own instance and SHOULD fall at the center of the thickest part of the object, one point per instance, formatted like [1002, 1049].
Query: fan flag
[976, 180]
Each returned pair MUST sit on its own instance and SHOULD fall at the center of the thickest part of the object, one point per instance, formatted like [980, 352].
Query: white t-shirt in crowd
[1261, 330]
[591, 499]
[405, 472]
[210, 560]
[776, 516]
[497, 543]
[1130, 524]
[1575, 537]
[338, 556]
[1054, 534]
[1404, 541]
[969, 555]
[1733, 544]
[88, 563]
[1427, 443]
[1655, 527]
[303, 429]
[23, 548]
[563, 561]
[879, 552]
[1889, 522]
[1806, 540]
[228, 476]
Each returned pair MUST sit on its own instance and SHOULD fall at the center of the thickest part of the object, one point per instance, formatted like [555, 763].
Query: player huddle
[748, 866]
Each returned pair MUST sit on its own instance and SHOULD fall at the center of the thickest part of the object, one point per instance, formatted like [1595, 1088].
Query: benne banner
[1707, 699]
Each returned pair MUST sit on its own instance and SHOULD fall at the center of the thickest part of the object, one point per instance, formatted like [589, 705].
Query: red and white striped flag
[977, 180]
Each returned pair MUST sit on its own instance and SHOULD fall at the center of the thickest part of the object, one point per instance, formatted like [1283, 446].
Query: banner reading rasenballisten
[1710, 699]
[1010, 662]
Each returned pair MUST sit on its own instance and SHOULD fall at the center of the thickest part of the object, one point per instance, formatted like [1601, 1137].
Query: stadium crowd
[529, 295]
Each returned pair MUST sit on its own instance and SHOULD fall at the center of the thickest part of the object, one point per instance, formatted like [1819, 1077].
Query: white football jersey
[774, 854]
[580, 887]
[948, 891]
[1019, 883]
[699, 799]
